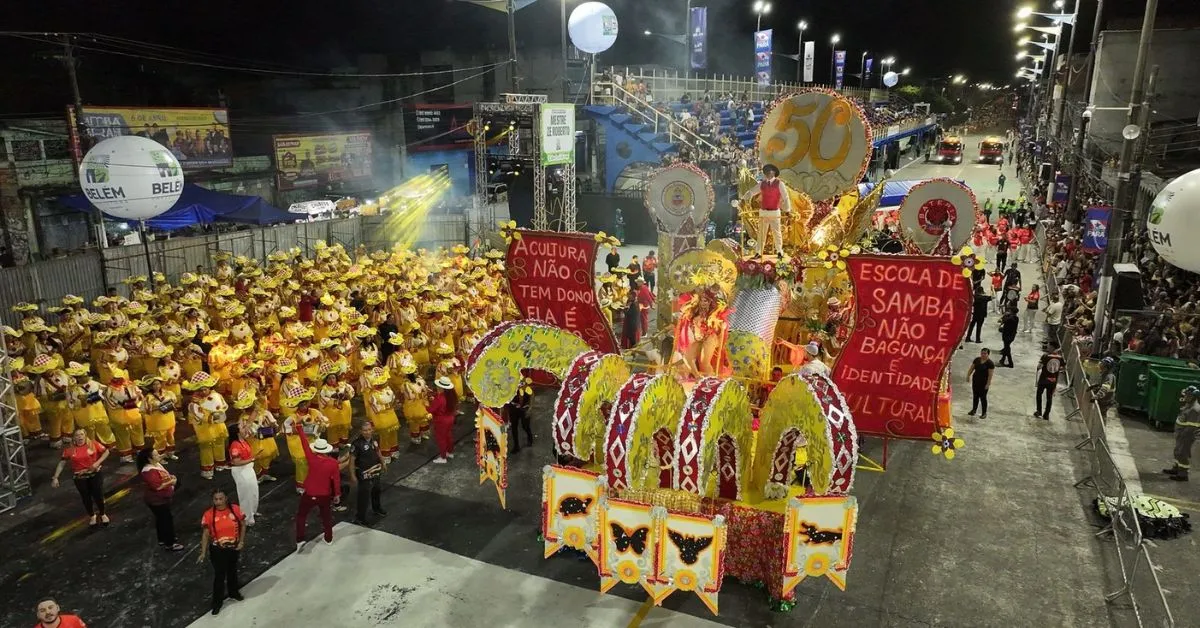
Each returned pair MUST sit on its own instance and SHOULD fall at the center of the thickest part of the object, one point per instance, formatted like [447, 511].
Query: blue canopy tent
[893, 191]
[197, 205]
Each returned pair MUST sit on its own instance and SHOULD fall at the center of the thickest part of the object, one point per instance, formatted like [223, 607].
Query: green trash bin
[1162, 398]
[1133, 378]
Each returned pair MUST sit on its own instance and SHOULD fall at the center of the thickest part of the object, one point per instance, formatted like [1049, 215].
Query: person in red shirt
[159, 493]
[322, 487]
[648, 268]
[443, 409]
[49, 616]
[645, 300]
[305, 307]
[222, 538]
[86, 457]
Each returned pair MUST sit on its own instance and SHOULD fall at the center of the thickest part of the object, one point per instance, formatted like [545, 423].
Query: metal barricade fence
[1139, 575]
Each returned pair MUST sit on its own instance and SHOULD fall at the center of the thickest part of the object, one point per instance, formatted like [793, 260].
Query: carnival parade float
[676, 472]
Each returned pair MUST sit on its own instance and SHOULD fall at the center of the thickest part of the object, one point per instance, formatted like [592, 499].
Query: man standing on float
[774, 199]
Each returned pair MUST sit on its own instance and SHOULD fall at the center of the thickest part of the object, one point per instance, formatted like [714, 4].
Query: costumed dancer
[334, 399]
[158, 406]
[380, 403]
[774, 200]
[87, 403]
[121, 400]
[206, 413]
[303, 419]
[448, 366]
[259, 428]
[702, 328]
[52, 389]
[415, 396]
[29, 408]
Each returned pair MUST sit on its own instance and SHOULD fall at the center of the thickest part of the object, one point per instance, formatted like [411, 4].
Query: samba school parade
[677, 351]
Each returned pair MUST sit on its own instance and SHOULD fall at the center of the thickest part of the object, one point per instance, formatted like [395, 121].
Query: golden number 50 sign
[820, 141]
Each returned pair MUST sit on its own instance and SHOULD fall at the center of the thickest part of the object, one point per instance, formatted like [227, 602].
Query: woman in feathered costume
[702, 328]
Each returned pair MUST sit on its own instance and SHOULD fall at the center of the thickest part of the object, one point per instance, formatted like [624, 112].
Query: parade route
[996, 537]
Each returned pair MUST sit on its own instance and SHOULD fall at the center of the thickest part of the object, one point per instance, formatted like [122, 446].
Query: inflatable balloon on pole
[890, 79]
[132, 178]
[1174, 222]
[593, 27]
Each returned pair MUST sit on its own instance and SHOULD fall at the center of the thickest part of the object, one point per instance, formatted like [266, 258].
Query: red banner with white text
[910, 314]
[552, 279]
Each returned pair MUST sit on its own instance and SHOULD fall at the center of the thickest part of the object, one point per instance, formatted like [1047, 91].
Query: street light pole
[1077, 153]
[687, 41]
[566, 81]
[862, 69]
[1127, 169]
[512, 46]
[800, 49]
[833, 42]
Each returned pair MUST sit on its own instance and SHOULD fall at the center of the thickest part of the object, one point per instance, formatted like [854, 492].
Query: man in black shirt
[980, 374]
[385, 332]
[978, 314]
[1048, 370]
[1002, 252]
[1008, 333]
[367, 465]
[613, 259]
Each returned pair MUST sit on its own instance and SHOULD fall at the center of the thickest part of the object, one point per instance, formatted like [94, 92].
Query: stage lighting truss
[520, 116]
[14, 467]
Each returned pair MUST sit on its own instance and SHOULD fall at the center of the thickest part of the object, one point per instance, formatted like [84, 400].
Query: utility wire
[39, 37]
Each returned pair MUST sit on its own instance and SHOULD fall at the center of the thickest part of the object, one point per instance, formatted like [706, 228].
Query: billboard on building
[840, 66]
[311, 160]
[699, 31]
[199, 137]
[558, 134]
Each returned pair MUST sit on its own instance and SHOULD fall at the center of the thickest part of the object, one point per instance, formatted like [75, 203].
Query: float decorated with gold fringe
[732, 450]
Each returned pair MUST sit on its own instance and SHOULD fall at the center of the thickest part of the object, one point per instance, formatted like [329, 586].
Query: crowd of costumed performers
[736, 455]
[271, 348]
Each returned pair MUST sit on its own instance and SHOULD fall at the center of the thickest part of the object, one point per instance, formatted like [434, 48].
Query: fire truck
[991, 151]
[950, 150]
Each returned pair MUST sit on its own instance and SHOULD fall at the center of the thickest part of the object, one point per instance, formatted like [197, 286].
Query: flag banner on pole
[810, 57]
[762, 56]
[867, 72]
[840, 65]
[1095, 235]
[699, 30]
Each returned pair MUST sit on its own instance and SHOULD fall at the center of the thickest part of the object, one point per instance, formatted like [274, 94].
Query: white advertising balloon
[1174, 222]
[131, 177]
[890, 79]
[593, 27]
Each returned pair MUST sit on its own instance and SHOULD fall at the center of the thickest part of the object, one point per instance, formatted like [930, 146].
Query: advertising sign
[551, 275]
[839, 68]
[762, 56]
[437, 127]
[810, 58]
[1062, 188]
[310, 160]
[558, 134]
[199, 138]
[699, 30]
[866, 77]
[1095, 236]
[911, 312]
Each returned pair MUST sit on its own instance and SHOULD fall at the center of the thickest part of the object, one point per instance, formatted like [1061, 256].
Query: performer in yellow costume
[87, 403]
[415, 396]
[449, 366]
[28, 407]
[121, 400]
[302, 418]
[380, 403]
[206, 413]
[52, 393]
[259, 428]
[334, 398]
[158, 407]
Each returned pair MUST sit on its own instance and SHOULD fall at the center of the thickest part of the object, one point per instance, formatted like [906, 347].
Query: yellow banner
[199, 137]
[310, 160]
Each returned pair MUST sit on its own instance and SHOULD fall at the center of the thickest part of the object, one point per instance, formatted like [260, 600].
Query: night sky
[933, 37]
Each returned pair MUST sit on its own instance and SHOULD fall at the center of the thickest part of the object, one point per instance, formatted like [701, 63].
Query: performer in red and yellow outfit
[206, 413]
[415, 396]
[87, 403]
[259, 428]
[158, 407]
[701, 330]
[121, 400]
[303, 418]
[380, 403]
[334, 399]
